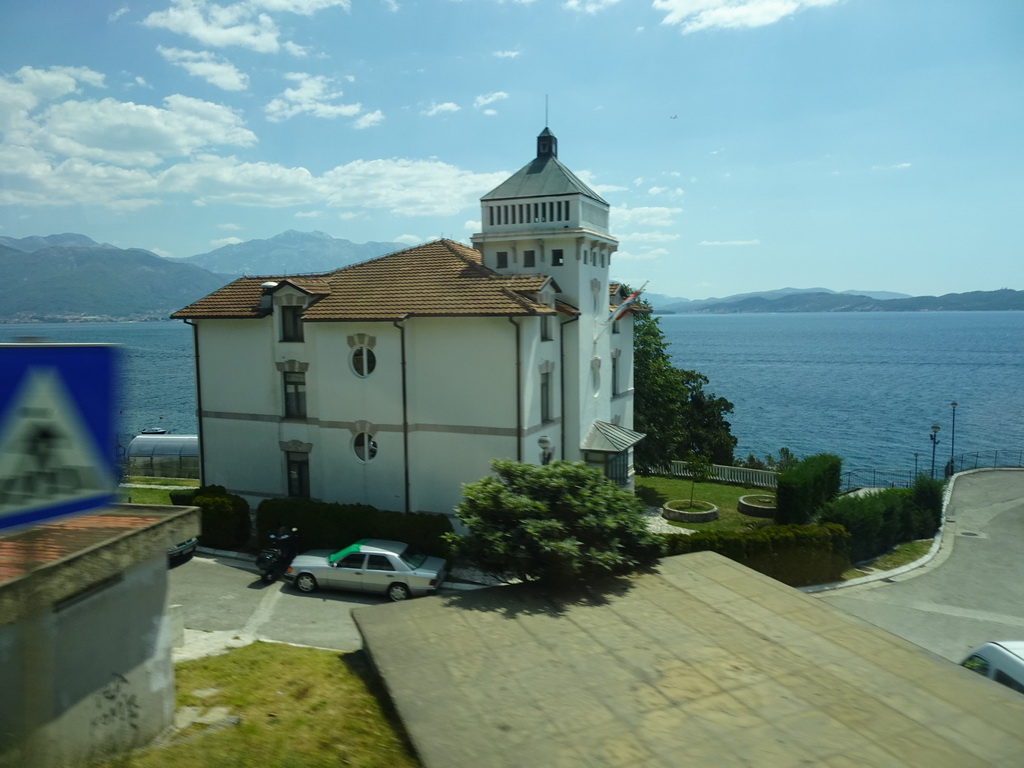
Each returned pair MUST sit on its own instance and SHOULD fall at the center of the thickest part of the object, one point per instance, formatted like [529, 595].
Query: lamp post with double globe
[935, 441]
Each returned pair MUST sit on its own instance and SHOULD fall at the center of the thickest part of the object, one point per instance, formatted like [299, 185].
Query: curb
[926, 558]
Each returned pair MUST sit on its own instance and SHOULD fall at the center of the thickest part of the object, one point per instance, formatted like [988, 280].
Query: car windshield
[412, 557]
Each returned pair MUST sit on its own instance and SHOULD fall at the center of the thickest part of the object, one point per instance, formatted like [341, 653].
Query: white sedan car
[369, 565]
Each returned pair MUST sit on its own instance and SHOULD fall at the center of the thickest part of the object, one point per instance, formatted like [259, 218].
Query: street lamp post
[952, 440]
[915, 463]
[935, 441]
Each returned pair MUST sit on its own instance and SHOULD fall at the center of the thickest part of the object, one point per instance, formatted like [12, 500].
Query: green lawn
[655, 491]
[298, 707]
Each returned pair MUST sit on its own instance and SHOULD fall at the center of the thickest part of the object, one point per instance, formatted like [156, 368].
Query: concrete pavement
[971, 591]
[699, 661]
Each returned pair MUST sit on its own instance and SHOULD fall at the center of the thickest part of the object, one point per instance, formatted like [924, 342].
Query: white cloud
[308, 214]
[588, 6]
[507, 54]
[302, 7]
[650, 236]
[218, 25]
[490, 112]
[369, 119]
[697, 15]
[408, 239]
[644, 216]
[312, 96]
[214, 69]
[118, 13]
[729, 242]
[896, 167]
[129, 134]
[472, 225]
[230, 227]
[486, 99]
[221, 242]
[436, 109]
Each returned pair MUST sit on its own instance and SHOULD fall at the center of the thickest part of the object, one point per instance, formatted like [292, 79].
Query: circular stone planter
[672, 511]
[756, 505]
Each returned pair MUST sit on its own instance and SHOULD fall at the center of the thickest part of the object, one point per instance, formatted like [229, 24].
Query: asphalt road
[972, 591]
[223, 603]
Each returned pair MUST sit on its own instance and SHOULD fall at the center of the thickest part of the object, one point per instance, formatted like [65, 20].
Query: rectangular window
[545, 397]
[294, 395]
[618, 468]
[556, 257]
[615, 376]
[490, 215]
[502, 259]
[298, 475]
[615, 327]
[291, 323]
[545, 328]
[529, 258]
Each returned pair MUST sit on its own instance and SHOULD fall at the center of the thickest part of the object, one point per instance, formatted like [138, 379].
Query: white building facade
[394, 381]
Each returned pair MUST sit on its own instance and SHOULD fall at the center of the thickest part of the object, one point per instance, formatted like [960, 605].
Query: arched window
[363, 361]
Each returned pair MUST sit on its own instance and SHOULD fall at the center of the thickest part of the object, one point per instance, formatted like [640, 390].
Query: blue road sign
[58, 427]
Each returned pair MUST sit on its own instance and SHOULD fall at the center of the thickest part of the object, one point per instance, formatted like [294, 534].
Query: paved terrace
[700, 661]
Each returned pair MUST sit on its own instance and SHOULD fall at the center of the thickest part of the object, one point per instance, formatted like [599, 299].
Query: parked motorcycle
[274, 560]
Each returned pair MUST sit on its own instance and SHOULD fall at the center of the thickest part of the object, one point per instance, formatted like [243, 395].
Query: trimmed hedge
[798, 555]
[225, 517]
[879, 521]
[325, 525]
[182, 498]
[806, 487]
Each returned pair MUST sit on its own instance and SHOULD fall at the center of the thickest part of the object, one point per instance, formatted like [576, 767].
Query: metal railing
[854, 478]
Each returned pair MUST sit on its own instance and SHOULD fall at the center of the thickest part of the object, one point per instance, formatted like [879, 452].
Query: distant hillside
[290, 253]
[56, 283]
[700, 305]
[35, 243]
[1003, 299]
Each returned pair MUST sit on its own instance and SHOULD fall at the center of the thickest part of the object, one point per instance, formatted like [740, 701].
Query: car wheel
[305, 582]
[398, 592]
[266, 577]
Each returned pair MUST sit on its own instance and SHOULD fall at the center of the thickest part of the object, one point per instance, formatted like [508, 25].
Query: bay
[865, 386]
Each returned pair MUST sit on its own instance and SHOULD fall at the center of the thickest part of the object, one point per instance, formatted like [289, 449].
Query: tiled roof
[51, 542]
[440, 279]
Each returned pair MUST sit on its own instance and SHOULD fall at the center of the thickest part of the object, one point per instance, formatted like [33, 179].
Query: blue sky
[744, 145]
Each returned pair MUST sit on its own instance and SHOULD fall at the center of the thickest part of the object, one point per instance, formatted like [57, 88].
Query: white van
[1002, 662]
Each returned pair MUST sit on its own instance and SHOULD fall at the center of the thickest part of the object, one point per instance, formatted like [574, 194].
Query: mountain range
[71, 278]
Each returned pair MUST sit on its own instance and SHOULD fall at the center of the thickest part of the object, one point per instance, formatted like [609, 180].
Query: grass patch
[655, 491]
[153, 495]
[902, 554]
[299, 707]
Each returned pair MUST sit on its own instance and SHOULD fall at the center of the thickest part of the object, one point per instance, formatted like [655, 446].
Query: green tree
[671, 405]
[558, 523]
[699, 468]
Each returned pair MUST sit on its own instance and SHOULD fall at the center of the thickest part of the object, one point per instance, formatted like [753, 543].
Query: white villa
[393, 381]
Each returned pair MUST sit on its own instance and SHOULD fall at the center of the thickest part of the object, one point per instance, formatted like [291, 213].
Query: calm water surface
[866, 386]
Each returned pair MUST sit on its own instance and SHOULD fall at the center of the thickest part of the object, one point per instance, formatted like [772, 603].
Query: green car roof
[354, 547]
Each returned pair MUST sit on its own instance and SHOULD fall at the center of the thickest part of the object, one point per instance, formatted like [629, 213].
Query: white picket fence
[753, 478]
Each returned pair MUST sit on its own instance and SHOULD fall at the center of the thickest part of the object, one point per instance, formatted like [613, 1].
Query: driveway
[223, 603]
[972, 591]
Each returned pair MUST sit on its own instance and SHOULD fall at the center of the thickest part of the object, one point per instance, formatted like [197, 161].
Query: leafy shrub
[225, 517]
[797, 555]
[806, 487]
[558, 523]
[182, 497]
[877, 522]
[333, 526]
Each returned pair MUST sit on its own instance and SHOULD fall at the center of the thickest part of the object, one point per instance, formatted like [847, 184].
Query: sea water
[865, 386]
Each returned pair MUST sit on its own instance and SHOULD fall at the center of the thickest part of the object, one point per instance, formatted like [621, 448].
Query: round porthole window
[365, 446]
[363, 361]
